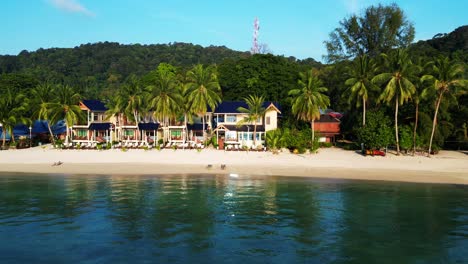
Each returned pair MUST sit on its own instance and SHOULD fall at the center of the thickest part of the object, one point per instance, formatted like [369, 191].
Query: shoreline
[449, 167]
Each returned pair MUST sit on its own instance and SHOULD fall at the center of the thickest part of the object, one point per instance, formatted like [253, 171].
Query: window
[82, 133]
[231, 118]
[231, 135]
[95, 117]
[129, 132]
[267, 121]
[176, 134]
[259, 120]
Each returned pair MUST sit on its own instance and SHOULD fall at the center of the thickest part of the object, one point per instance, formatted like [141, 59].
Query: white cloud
[71, 6]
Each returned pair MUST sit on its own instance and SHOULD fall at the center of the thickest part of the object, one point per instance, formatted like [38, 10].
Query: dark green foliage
[93, 68]
[406, 138]
[378, 131]
[268, 75]
[377, 30]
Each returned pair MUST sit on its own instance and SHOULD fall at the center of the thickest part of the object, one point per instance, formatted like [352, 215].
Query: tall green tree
[254, 111]
[308, 98]
[42, 96]
[66, 107]
[377, 30]
[165, 93]
[203, 90]
[446, 78]
[361, 73]
[398, 86]
[13, 106]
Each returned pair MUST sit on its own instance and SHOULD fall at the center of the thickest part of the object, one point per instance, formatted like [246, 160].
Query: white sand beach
[446, 167]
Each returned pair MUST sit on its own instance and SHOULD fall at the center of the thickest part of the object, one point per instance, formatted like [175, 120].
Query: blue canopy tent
[38, 127]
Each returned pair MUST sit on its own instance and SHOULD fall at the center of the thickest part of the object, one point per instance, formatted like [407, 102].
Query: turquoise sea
[222, 219]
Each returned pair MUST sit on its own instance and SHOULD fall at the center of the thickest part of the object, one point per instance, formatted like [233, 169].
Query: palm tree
[419, 94]
[446, 79]
[397, 82]
[203, 90]
[165, 93]
[13, 106]
[254, 112]
[66, 107]
[360, 84]
[185, 106]
[42, 97]
[309, 98]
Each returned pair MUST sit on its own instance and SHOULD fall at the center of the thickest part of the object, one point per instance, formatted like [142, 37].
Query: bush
[326, 144]
[377, 133]
[214, 142]
[406, 138]
[274, 139]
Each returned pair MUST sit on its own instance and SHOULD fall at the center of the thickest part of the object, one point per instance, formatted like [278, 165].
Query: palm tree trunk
[3, 137]
[67, 133]
[203, 129]
[434, 122]
[396, 126]
[415, 128]
[135, 115]
[313, 133]
[254, 134]
[185, 128]
[12, 136]
[363, 112]
[51, 134]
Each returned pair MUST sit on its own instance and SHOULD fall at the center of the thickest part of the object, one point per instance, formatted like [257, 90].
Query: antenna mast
[254, 49]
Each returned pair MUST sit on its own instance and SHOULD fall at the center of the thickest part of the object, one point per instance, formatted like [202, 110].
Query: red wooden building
[328, 127]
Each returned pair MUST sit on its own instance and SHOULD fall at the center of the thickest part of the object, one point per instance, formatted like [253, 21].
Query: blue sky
[291, 28]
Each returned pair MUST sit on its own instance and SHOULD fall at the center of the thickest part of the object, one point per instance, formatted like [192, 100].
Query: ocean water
[222, 219]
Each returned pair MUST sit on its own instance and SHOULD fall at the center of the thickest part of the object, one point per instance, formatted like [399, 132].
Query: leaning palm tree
[41, 98]
[254, 112]
[446, 79]
[13, 106]
[203, 90]
[308, 99]
[66, 107]
[361, 73]
[398, 86]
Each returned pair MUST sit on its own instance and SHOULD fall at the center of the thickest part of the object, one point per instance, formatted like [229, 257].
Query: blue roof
[148, 126]
[196, 127]
[38, 127]
[232, 106]
[95, 105]
[100, 126]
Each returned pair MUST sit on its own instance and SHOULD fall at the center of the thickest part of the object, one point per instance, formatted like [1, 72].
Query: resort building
[95, 129]
[328, 126]
[226, 119]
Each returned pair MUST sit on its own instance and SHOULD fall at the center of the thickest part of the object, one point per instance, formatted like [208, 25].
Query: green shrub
[406, 138]
[214, 142]
[378, 131]
[274, 139]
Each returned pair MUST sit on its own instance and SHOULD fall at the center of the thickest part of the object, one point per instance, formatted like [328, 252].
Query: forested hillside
[357, 79]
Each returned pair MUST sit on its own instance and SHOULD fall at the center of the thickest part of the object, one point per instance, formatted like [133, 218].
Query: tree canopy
[377, 30]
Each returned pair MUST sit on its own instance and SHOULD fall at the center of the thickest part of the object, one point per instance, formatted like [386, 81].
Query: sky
[291, 28]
